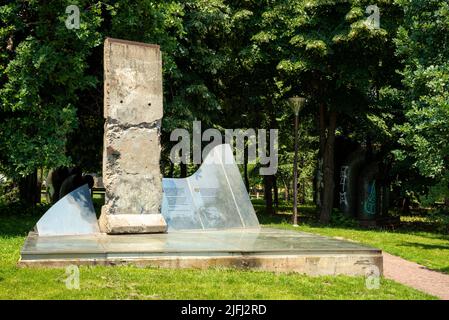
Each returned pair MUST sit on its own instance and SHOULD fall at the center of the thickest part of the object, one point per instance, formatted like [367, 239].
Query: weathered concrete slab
[135, 223]
[260, 249]
[133, 112]
[132, 82]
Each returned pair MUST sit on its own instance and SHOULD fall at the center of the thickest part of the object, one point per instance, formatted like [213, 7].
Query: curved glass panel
[214, 197]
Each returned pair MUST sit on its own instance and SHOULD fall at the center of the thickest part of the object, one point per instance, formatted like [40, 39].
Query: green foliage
[42, 74]
[8, 192]
[328, 53]
[197, 60]
[422, 43]
[437, 192]
[338, 219]
[232, 64]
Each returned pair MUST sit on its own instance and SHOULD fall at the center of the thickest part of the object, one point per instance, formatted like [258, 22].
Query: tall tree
[423, 45]
[42, 73]
[329, 54]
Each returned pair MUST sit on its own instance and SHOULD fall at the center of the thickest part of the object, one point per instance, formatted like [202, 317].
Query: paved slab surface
[264, 249]
[262, 240]
[416, 276]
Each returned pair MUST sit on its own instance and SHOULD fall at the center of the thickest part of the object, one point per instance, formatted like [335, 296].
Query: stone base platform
[261, 249]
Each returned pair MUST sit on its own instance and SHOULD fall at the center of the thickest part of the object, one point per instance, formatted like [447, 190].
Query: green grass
[430, 249]
[133, 283]
[127, 282]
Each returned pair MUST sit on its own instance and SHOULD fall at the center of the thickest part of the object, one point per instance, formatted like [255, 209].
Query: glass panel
[177, 205]
[241, 196]
[214, 197]
[74, 214]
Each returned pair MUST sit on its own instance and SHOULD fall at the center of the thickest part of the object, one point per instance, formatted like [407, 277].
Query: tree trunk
[269, 180]
[171, 170]
[303, 193]
[302, 184]
[286, 192]
[245, 168]
[183, 170]
[268, 194]
[328, 170]
[406, 206]
[276, 191]
[29, 190]
[322, 123]
[318, 182]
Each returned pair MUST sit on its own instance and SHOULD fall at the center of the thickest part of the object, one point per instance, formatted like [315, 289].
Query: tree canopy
[233, 64]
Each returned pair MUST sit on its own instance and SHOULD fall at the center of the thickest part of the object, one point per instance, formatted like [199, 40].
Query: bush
[18, 208]
[8, 192]
[339, 219]
[440, 219]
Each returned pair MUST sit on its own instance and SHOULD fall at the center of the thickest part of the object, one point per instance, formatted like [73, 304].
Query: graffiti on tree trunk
[343, 184]
[369, 205]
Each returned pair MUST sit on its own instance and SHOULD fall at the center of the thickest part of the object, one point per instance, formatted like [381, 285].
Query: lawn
[430, 249]
[127, 282]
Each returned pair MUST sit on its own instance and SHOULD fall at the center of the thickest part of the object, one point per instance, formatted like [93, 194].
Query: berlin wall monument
[133, 111]
[145, 218]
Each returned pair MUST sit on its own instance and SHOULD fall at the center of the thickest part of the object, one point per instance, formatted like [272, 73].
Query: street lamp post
[296, 103]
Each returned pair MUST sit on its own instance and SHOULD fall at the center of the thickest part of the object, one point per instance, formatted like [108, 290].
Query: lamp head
[296, 103]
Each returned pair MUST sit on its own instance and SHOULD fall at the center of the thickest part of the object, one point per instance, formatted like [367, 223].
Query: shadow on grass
[445, 269]
[425, 246]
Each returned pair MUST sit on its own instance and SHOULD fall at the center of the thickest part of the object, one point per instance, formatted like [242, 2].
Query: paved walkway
[416, 276]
